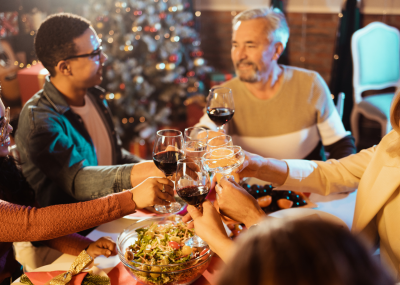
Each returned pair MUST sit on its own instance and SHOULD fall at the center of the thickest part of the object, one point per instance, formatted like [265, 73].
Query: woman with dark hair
[56, 225]
[282, 252]
[301, 252]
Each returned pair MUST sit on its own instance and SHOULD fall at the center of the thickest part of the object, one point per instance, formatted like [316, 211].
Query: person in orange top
[57, 225]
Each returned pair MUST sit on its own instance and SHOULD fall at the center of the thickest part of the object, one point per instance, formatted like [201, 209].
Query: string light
[175, 39]
[198, 13]
[336, 57]
[110, 40]
[111, 32]
[137, 37]
[233, 13]
[142, 119]
[131, 120]
[160, 66]
[124, 120]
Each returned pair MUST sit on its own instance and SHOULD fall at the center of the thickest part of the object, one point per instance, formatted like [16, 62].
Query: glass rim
[169, 130]
[239, 149]
[205, 138]
[194, 160]
[221, 135]
[229, 90]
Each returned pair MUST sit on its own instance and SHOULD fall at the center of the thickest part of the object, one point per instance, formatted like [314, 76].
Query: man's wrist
[262, 171]
[254, 217]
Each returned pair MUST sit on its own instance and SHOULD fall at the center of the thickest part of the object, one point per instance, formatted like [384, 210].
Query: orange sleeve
[21, 223]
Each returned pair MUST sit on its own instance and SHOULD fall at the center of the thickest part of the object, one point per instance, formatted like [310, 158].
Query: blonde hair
[277, 28]
[394, 149]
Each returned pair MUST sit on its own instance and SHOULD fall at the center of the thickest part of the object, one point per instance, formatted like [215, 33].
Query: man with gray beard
[280, 111]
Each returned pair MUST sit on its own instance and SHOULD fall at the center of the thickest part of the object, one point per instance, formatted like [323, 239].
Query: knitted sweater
[292, 124]
[56, 224]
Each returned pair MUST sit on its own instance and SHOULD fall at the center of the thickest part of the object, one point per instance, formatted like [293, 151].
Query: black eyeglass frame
[96, 52]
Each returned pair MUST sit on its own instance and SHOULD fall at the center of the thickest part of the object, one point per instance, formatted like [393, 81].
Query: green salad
[163, 244]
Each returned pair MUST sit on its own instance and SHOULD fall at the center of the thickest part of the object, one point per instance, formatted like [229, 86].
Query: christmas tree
[154, 62]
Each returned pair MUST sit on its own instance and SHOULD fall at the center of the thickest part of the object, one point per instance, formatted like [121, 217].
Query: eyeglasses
[4, 123]
[96, 53]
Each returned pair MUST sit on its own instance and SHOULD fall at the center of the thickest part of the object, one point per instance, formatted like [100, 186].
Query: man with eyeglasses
[66, 139]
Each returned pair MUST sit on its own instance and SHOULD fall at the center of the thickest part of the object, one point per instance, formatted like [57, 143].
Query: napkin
[41, 278]
[73, 275]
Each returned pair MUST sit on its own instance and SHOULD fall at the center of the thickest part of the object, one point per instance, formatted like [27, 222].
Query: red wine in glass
[192, 185]
[167, 161]
[220, 116]
[166, 153]
[194, 195]
[220, 106]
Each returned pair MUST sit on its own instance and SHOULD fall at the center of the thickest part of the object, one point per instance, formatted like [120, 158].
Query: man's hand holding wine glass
[153, 191]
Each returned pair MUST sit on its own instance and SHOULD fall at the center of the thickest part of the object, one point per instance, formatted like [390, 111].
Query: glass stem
[221, 128]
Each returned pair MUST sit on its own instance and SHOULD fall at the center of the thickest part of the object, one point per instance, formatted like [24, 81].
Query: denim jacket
[58, 156]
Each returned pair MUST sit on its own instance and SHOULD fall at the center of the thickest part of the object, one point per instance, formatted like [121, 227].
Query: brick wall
[318, 49]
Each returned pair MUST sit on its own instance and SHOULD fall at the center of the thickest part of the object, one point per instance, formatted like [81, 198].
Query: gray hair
[277, 28]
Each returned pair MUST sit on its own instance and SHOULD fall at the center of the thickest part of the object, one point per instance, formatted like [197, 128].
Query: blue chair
[376, 58]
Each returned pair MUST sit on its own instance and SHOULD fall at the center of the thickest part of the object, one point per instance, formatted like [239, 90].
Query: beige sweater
[289, 125]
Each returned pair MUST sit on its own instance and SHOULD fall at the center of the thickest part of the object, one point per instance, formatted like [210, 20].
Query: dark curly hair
[302, 252]
[55, 38]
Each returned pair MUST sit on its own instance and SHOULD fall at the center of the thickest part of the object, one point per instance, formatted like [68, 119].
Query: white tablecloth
[340, 205]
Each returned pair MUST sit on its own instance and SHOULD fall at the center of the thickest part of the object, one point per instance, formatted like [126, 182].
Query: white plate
[296, 213]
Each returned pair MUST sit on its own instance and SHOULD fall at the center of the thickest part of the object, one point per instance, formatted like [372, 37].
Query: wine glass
[224, 159]
[219, 141]
[192, 185]
[195, 142]
[166, 153]
[220, 106]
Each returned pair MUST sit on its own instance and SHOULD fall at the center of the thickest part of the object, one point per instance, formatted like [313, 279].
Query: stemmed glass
[195, 142]
[220, 106]
[192, 185]
[219, 141]
[166, 153]
[223, 160]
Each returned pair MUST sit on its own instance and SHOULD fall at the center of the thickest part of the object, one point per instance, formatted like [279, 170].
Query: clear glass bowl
[178, 274]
